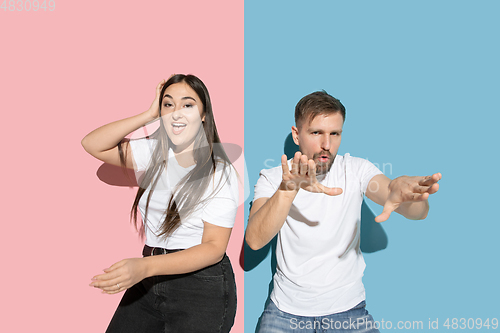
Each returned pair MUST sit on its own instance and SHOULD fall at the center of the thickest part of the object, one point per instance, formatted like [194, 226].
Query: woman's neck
[184, 157]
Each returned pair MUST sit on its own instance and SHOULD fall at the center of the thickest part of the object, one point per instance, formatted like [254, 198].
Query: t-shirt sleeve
[142, 150]
[264, 187]
[222, 208]
[365, 171]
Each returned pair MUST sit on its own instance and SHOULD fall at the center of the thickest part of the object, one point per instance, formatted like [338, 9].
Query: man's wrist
[288, 189]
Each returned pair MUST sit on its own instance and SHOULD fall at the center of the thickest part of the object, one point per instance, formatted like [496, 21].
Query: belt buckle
[164, 251]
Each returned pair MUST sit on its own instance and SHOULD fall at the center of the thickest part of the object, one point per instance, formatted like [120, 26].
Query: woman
[188, 198]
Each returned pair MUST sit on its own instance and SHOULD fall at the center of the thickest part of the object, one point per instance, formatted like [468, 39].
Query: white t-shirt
[220, 210]
[319, 264]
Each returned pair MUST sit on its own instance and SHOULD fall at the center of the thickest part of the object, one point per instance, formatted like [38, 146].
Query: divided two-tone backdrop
[419, 80]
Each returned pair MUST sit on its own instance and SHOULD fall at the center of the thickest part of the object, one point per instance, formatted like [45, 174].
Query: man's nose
[325, 142]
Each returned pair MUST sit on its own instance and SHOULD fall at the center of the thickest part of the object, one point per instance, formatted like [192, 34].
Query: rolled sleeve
[221, 209]
[142, 150]
[264, 187]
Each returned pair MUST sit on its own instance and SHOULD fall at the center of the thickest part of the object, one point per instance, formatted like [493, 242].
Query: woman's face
[182, 113]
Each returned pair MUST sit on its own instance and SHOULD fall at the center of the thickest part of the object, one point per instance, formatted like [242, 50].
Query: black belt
[154, 251]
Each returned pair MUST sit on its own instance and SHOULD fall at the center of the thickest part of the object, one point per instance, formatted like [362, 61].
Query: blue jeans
[201, 301]
[356, 319]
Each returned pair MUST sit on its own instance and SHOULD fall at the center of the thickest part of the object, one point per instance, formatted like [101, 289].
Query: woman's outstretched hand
[120, 276]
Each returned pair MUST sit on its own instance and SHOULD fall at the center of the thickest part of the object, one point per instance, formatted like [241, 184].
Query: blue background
[420, 82]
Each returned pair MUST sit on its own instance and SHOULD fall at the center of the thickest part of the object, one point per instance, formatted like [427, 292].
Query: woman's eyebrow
[186, 97]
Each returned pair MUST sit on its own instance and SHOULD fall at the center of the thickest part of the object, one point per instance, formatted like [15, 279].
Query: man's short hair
[318, 102]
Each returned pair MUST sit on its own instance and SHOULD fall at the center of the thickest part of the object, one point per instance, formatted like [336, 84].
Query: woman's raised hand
[154, 109]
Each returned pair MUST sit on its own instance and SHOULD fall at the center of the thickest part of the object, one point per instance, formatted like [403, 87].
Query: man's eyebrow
[321, 130]
[186, 97]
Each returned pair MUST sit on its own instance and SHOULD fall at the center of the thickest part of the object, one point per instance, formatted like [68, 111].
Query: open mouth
[177, 128]
[323, 158]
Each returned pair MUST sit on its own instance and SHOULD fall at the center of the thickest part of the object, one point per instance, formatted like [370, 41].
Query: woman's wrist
[149, 116]
[147, 266]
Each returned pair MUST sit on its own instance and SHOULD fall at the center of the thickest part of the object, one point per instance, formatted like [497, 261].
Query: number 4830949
[27, 5]
[470, 323]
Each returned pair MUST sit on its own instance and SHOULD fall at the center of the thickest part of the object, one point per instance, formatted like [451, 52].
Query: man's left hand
[407, 189]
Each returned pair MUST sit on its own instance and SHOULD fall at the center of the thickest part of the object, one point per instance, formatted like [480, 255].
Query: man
[313, 202]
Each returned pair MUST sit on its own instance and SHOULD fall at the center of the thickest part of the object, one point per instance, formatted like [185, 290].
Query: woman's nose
[177, 113]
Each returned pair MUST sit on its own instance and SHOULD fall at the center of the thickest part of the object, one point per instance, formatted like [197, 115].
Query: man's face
[320, 139]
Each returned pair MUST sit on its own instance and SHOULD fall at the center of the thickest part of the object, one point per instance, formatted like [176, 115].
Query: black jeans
[201, 301]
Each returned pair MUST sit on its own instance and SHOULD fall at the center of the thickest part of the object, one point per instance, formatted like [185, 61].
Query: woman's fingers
[108, 284]
[108, 274]
[113, 290]
[115, 266]
[113, 273]
[158, 88]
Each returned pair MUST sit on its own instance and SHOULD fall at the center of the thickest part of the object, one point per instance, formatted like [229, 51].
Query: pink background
[65, 73]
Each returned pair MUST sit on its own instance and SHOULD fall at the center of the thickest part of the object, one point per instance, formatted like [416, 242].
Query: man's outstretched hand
[407, 189]
[302, 175]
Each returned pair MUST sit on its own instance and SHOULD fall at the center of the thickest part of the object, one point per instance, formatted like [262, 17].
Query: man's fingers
[423, 189]
[417, 196]
[330, 190]
[384, 216]
[430, 180]
[426, 189]
[426, 181]
[284, 165]
[295, 163]
[303, 165]
[311, 170]
[433, 189]
[389, 207]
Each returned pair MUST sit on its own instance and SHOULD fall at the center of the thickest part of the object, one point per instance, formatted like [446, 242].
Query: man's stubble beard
[322, 168]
